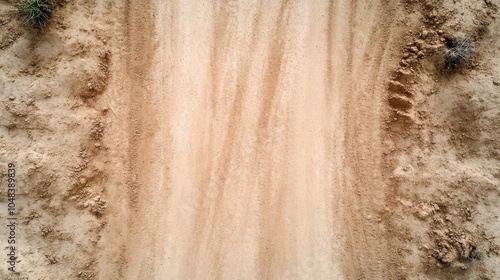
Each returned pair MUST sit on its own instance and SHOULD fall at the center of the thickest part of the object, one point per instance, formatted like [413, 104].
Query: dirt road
[278, 139]
[255, 146]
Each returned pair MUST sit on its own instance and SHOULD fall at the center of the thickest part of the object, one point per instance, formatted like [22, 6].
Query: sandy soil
[253, 147]
[252, 140]
[443, 147]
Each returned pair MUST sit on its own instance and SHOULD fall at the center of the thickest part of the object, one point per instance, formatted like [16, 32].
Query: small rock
[424, 34]
[12, 97]
[414, 49]
[406, 55]
[88, 203]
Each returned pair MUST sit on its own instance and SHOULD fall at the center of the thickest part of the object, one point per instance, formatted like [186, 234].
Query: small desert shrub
[35, 12]
[458, 52]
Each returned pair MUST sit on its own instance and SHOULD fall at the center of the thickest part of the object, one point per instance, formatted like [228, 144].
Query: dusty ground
[252, 140]
[443, 145]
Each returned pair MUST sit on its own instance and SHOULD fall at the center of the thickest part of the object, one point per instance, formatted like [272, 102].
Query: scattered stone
[404, 73]
[97, 130]
[12, 97]
[52, 259]
[97, 207]
[424, 34]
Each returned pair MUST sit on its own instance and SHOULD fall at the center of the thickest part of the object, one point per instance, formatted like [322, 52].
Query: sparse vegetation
[36, 12]
[458, 52]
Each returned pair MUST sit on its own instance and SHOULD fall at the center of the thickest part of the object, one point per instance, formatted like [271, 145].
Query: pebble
[414, 49]
[12, 97]
[424, 34]
[406, 55]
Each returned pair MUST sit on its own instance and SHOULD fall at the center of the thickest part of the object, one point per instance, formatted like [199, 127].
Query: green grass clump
[36, 12]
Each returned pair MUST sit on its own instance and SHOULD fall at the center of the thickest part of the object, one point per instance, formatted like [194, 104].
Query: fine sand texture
[252, 139]
[256, 146]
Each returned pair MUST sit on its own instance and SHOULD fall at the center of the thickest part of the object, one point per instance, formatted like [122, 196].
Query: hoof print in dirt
[400, 88]
[400, 103]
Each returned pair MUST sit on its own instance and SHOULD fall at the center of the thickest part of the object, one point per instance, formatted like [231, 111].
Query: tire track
[256, 140]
